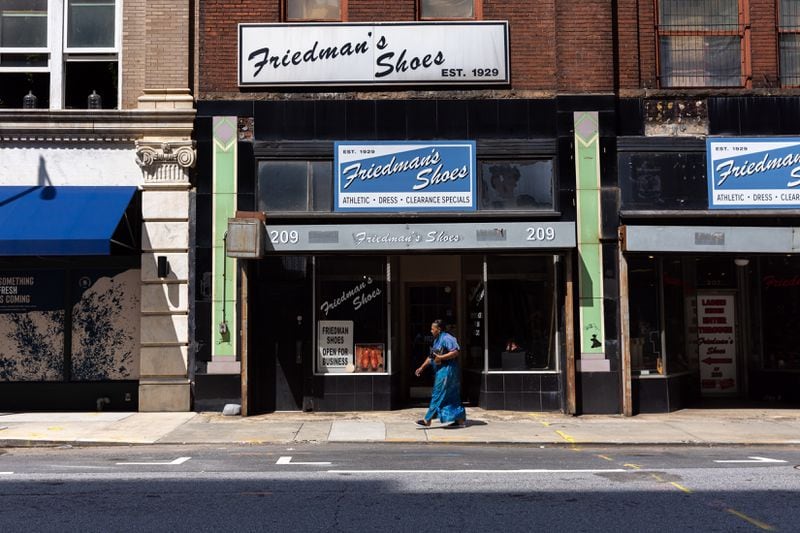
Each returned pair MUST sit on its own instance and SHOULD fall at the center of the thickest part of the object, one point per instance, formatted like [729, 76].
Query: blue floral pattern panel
[31, 325]
[105, 325]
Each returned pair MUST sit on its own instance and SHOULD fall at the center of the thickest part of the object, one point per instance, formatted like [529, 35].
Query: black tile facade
[360, 119]
[513, 119]
[390, 119]
[330, 119]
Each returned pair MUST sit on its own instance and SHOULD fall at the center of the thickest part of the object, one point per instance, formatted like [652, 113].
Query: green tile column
[591, 326]
[223, 307]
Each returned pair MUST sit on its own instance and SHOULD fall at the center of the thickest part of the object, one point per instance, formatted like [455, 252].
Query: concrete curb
[28, 443]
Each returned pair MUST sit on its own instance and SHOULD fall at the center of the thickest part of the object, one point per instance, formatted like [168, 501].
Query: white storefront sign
[335, 346]
[716, 342]
[385, 53]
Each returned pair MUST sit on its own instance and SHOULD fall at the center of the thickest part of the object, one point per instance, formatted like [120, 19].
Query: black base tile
[363, 384]
[363, 402]
[513, 401]
[551, 401]
[512, 383]
[492, 400]
[551, 383]
[531, 401]
[531, 383]
[345, 402]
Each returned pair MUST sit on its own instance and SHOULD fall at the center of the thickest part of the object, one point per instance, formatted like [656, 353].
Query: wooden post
[624, 326]
[569, 319]
[244, 336]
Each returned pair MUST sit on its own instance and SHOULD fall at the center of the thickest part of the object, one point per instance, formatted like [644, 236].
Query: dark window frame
[782, 30]
[477, 12]
[742, 31]
[342, 11]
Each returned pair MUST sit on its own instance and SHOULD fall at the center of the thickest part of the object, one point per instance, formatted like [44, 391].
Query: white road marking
[521, 471]
[6, 473]
[287, 460]
[751, 460]
[178, 461]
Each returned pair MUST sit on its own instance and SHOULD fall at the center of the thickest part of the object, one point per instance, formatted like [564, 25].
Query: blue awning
[63, 220]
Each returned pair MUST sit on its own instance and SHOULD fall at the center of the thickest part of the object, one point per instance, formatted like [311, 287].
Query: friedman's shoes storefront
[332, 231]
[336, 299]
[345, 328]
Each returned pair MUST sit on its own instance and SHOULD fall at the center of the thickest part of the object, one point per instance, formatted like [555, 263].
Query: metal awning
[62, 220]
[722, 239]
[445, 236]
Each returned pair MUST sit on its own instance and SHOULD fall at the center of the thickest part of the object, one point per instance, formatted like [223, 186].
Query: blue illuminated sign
[405, 176]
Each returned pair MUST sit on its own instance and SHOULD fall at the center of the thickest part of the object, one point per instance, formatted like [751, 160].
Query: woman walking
[446, 397]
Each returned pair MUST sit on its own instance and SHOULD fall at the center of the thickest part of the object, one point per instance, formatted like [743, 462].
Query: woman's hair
[439, 324]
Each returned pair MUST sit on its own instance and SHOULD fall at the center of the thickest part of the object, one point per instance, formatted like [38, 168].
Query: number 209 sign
[422, 53]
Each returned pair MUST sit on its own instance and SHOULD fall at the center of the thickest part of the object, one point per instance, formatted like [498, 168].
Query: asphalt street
[372, 487]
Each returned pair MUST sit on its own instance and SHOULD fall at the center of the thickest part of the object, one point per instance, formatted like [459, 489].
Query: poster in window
[716, 342]
[335, 346]
[105, 324]
[31, 325]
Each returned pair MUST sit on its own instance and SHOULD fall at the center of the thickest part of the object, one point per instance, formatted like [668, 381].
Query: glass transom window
[447, 9]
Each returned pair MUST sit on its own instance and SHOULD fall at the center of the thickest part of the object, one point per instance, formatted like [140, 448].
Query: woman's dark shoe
[423, 422]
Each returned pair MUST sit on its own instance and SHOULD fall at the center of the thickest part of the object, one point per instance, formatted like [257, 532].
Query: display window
[69, 324]
[351, 306]
[517, 185]
[521, 312]
[780, 312]
[663, 314]
[288, 187]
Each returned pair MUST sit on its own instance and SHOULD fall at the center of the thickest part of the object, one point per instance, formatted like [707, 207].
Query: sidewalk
[689, 426]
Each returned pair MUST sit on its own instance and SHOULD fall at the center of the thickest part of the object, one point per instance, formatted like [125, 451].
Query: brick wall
[763, 43]
[133, 46]
[585, 46]
[540, 63]
[167, 56]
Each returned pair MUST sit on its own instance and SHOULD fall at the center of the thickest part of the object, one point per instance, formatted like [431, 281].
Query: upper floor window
[701, 43]
[449, 9]
[59, 54]
[789, 39]
[308, 10]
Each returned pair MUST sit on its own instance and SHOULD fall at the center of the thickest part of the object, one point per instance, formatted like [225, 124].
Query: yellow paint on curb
[634, 466]
[545, 424]
[565, 436]
[681, 487]
[55, 428]
[759, 524]
[657, 478]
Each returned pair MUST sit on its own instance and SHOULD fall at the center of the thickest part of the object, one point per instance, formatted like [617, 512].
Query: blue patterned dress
[446, 397]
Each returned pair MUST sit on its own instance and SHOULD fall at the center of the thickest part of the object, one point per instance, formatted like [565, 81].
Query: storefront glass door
[426, 303]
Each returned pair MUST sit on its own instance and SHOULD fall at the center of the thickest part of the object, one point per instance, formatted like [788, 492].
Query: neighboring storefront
[96, 121]
[709, 239]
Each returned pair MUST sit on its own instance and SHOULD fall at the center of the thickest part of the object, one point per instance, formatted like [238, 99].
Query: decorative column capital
[166, 163]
